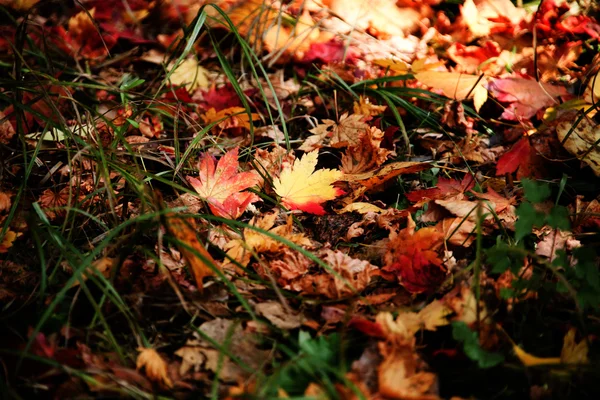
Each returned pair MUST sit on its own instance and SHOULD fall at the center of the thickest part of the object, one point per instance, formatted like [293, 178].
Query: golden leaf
[302, 188]
[456, 85]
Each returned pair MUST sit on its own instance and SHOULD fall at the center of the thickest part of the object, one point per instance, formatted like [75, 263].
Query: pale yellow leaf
[189, 74]
[361, 208]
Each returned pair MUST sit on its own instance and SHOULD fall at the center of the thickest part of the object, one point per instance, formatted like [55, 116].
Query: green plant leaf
[470, 340]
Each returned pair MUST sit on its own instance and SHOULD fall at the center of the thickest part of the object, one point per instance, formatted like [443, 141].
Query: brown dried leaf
[154, 365]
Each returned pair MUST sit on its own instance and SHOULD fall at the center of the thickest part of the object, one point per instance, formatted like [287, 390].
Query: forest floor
[305, 199]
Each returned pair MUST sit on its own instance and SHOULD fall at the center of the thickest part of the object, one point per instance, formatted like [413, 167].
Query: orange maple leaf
[302, 188]
[413, 258]
[221, 185]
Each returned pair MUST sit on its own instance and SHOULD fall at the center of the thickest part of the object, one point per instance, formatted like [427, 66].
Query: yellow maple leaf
[302, 188]
[189, 74]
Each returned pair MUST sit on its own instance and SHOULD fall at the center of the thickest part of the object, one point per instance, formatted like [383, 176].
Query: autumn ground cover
[310, 199]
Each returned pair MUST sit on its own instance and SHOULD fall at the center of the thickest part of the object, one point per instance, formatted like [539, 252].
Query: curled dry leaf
[154, 366]
[302, 188]
[201, 354]
[408, 323]
[230, 118]
[367, 154]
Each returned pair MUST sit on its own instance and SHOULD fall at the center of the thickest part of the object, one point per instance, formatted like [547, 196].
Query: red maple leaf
[445, 188]
[221, 98]
[329, 52]
[520, 157]
[221, 185]
[367, 327]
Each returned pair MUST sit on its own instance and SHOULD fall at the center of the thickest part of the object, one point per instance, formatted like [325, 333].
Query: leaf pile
[299, 199]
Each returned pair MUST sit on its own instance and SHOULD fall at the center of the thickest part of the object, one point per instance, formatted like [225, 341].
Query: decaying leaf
[154, 366]
[302, 188]
[278, 315]
[581, 140]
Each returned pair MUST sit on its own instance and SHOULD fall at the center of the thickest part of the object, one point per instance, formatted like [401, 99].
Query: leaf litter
[304, 199]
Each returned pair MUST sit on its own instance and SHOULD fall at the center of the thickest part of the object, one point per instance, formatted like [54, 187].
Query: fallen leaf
[401, 375]
[188, 74]
[347, 276]
[456, 86]
[526, 96]
[484, 17]
[361, 208]
[7, 131]
[221, 185]
[375, 178]
[19, 5]
[572, 353]
[381, 16]
[302, 188]
[582, 141]
[230, 118]
[458, 231]
[7, 241]
[412, 257]
[556, 240]
[367, 154]
[5, 202]
[277, 314]
[517, 158]
[346, 132]
[154, 365]
[240, 249]
[184, 230]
